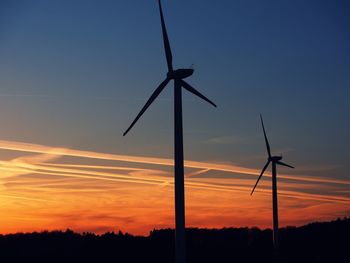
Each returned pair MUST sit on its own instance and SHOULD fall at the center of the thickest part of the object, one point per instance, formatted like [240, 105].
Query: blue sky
[76, 73]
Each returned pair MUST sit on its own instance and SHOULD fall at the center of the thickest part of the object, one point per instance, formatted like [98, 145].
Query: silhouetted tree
[316, 242]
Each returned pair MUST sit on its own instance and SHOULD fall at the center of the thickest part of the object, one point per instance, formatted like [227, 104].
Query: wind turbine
[274, 160]
[178, 76]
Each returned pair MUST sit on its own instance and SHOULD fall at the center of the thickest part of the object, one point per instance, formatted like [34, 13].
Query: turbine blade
[266, 140]
[169, 56]
[284, 164]
[262, 172]
[196, 92]
[148, 103]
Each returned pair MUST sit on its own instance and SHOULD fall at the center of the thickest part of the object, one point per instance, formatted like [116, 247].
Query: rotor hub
[180, 73]
[275, 158]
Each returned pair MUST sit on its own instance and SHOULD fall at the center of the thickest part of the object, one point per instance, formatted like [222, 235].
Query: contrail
[27, 95]
[36, 148]
[23, 168]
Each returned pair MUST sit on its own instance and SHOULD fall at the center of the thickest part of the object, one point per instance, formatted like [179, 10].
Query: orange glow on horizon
[135, 194]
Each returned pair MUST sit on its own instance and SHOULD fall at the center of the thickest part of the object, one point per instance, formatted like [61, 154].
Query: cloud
[138, 195]
[36, 148]
[26, 95]
[225, 140]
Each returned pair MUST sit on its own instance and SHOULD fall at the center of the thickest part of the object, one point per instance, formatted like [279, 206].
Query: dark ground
[316, 242]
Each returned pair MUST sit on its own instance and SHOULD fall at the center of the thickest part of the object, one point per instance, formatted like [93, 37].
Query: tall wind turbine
[178, 76]
[274, 160]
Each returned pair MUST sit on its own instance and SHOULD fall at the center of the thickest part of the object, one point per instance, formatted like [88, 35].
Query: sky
[74, 74]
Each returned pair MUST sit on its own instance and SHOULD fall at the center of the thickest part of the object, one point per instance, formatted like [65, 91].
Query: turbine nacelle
[275, 158]
[181, 73]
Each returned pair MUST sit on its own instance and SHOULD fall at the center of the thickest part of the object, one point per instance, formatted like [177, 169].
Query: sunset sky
[74, 74]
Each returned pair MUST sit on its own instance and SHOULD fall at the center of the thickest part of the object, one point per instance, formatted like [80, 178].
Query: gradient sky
[74, 74]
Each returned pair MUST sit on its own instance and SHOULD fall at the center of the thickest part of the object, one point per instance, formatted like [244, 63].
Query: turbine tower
[274, 160]
[178, 76]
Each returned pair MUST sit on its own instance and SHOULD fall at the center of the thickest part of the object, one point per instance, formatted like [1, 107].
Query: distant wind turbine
[178, 76]
[274, 160]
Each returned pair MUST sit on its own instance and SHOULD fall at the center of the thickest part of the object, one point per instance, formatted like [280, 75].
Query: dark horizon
[315, 242]
[118, 231]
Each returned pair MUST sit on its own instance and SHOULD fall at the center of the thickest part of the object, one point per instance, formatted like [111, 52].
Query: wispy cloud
[230, 139]
[26, 95]
[39, 187]
[36, 148]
